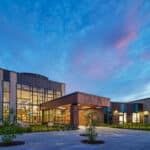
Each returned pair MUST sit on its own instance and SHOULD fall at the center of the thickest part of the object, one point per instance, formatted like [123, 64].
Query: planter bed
[93, 142]
[13, 143]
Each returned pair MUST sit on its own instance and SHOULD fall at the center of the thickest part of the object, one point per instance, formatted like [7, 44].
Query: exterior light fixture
[146, 113]
[115, 112]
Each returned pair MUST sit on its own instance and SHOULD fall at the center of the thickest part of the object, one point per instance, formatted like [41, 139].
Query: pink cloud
[127, 31]
[99, 67]
[125, 41]
[112, 44]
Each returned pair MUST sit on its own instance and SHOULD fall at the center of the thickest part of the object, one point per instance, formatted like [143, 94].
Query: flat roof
[134, 101]
[77, 98]
[33, 74]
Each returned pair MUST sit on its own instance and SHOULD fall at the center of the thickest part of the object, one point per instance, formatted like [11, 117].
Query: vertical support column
[101, 116]
[42, 121]
[129, 117]
[116, 118]
[74, 115]
[1, 96]
[63, 89]
[13, 98]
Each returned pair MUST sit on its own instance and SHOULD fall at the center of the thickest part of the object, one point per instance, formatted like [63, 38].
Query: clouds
[100, 47]
[101, 53]
[139, 94]
[103, 50]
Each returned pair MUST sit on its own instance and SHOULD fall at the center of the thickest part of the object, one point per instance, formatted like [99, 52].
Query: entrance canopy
[77, 98]
[75, 106]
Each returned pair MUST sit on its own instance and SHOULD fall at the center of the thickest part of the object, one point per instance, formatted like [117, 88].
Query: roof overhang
[77, 98]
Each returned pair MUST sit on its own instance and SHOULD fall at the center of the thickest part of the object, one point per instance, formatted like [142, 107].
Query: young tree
[92, 119]
[9, 132]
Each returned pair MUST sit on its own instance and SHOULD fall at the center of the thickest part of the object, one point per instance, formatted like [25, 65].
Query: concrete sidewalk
[115, 139]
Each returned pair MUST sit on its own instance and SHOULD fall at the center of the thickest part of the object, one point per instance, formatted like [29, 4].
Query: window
[136, 117]
[28, 100]
[6, 110]
[122, 117]
[57, 94]
[40, 96]
[123, 108]
[6, 92]
[50, 95]
[6, 100]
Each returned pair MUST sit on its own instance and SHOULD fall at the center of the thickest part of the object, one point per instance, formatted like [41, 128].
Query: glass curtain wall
[28, 100]
[57, 116]
[6, 100]
[57, 94]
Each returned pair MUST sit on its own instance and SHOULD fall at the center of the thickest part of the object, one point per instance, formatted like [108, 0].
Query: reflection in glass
[28, 100]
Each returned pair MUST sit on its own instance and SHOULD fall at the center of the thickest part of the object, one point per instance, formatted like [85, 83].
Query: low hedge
[38, 128]
[134, 126]
[17, 129]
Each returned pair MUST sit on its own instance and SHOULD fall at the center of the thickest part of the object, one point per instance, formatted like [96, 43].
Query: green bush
[8, 132]
[63, 127]
[92, 121]
[134, 126]
[36, 128]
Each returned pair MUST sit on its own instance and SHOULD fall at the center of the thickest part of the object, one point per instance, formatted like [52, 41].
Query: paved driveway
[115, 139]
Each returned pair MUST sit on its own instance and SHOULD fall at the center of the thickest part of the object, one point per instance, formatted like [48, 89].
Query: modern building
[34, 99]
[74, 107]
[137, 111]
[22, 93]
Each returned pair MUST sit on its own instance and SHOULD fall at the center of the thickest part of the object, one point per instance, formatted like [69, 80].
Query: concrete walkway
[115, 139]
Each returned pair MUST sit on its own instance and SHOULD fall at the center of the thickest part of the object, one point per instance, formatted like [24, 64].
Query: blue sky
[95, 46]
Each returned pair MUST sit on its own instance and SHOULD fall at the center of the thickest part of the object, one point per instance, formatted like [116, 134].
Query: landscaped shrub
[63, 127]
[8, 132]
[92, 122]
[36, 128]
[134, 126]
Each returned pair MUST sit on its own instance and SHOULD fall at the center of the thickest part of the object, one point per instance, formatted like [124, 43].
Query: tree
[92, 119]
[8, 132]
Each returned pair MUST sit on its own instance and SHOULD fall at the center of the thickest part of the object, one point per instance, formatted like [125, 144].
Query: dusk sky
[95, 46]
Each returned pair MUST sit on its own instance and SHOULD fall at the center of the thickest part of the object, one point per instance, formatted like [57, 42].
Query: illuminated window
[136, 117]
[57, 94]
[122, 117]
[28, 100]
[50, 95]
[40, 96]
[6, 92]
[35, 99]
[25, 94]
[18, 93]
[6, 100]
[6, 110]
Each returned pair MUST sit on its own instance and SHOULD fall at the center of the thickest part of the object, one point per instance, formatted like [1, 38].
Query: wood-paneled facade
[79, 105]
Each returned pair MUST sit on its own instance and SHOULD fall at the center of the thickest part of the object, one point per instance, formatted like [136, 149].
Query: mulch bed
[13, 143]
[94, 142]
[83, 134]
